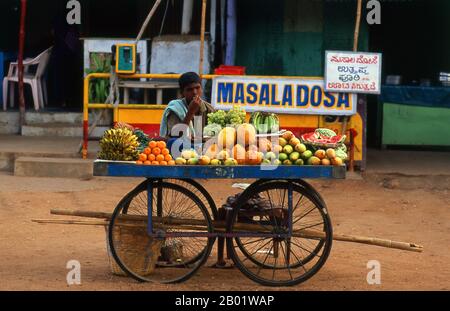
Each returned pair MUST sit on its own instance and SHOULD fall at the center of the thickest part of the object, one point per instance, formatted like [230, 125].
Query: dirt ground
[410, 209]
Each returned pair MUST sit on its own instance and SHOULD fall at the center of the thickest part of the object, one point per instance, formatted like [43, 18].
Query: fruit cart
[278, 232]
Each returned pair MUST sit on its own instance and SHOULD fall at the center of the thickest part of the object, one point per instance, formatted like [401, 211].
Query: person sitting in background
[183, 111]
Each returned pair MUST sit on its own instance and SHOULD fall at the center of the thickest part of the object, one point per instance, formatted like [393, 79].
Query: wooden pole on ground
[198, 224]
[355, 48]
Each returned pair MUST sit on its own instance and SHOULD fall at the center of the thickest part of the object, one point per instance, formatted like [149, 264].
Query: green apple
[300, 148]
[299, 162]
[307, 154]
[282, 142]
[283, 157]
[287, 162]
[216, 162]
[288, 149]
[230, 162]
[271, 156]
[294, 156]
[266, 162]
[277, 163]
[193, 161]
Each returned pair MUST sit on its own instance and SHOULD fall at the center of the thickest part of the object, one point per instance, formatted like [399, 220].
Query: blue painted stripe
[223, 172]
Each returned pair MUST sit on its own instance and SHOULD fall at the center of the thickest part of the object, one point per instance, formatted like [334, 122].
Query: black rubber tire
[326, 245]
[198, 261]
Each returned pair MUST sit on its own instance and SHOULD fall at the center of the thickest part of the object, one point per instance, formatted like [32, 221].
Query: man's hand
[194, 105]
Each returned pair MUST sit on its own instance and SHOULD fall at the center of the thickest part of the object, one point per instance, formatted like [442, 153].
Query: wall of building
[289, 37]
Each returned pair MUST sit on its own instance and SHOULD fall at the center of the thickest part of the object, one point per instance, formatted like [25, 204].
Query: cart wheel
[320, 243]
[276, 258]
[165, 260]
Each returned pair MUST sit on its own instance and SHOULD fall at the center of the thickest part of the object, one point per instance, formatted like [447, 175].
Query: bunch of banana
[119, 145]
[265, 122]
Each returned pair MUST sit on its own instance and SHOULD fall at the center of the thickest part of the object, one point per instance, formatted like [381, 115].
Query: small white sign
[353, 72]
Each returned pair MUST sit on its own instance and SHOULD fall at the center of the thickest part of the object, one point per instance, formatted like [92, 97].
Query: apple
[271, 156]
[283, 142]
[216, 162]
[300, 148]
[288, 149]
[307, 154]
[321, 154]
[299, 162]
[283, 157]
[294, 156]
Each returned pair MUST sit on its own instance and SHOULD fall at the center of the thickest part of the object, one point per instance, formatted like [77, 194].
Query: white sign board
[354, 72]
[280, 95]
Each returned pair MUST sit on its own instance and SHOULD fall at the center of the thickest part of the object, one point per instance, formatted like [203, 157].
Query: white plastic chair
[35, 80]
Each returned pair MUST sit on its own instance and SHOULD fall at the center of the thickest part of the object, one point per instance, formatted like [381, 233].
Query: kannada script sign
[353, 72]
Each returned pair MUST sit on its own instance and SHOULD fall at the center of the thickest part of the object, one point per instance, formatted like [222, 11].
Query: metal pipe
[231, 33]
[23, 14]
[212, 27]
[188, 7]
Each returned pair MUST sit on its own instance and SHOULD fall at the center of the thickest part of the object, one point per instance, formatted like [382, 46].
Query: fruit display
[234, 117]
[293, 151]
[119, 145]
[265, 122]
[155, 153]
[324, 139]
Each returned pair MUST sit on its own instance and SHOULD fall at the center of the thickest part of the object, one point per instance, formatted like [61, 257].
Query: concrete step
[53, 167]
[59, 130]
[9, 120]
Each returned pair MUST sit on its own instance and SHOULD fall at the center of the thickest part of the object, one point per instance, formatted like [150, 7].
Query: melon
[239, 154]
[227, 138]
[246, 134]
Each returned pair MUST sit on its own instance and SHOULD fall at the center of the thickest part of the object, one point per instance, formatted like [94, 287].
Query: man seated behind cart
[183, 111]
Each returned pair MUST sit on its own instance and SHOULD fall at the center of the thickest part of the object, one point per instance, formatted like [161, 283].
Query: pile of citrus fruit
[156, 154]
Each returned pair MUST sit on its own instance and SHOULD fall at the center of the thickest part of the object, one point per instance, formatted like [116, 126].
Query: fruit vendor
[183, 111]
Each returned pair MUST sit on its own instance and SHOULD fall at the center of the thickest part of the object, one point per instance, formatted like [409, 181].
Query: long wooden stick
[357, 26]
[202, 39]
[196, 224]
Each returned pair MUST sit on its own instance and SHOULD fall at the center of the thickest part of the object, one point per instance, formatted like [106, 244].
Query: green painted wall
[415, 126]
[289, 37]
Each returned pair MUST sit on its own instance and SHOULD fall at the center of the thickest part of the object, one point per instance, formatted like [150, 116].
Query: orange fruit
[155, 163]
[160, 158]
[147, 151]
[165, 151]
[168, 158]
[161, 145]
[151, 157]
[147, 163]
[163, 163]
[171, 162]
[142, 157]
[156, 151]
[152, 144]
[139, 162]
